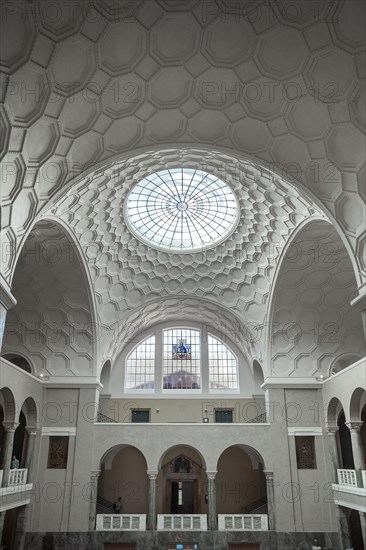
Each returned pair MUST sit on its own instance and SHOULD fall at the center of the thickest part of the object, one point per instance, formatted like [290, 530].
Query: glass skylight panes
[181, 209]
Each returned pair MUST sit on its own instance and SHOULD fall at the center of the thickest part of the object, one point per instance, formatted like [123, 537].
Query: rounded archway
[311, 320]
[7, 403]
[52, 323]
[123, 474]
[19, 361]
[240, 482]
[183, 482]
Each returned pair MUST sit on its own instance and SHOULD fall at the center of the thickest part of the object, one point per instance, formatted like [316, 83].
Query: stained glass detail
[181, 209]
[181, 350]
[222, 366]
[184, 372]
[140, 366]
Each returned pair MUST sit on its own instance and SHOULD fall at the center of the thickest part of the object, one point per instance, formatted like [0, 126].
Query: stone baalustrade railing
[16, 477]
[349, 478]
[121, 522]
[182, 522]
[243, 522]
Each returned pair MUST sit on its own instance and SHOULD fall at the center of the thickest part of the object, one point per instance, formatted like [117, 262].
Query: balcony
[244, 522]
[349, 478]
[182, 522]
[350, 492]
[16, 491]
[16, 477]
[121, 522]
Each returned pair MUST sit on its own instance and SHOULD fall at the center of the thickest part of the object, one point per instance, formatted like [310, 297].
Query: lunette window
[182, 367]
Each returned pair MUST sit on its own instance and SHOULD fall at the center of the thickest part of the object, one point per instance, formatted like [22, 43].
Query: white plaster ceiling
[119, 93]
[312, 320]
[51, 324]
[86, 82]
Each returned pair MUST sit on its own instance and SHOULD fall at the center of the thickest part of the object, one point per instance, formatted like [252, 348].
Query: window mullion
[158, 362]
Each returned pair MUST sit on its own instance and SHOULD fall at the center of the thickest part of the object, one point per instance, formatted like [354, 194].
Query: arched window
[140, 366]
[222, 366]
[181, 359]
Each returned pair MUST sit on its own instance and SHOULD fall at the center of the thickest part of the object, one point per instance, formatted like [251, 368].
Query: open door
[182, 497]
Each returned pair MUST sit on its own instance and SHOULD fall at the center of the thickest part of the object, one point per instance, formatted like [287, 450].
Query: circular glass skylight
[181, 209]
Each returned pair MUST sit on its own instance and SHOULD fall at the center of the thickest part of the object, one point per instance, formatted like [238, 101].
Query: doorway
[182, 497]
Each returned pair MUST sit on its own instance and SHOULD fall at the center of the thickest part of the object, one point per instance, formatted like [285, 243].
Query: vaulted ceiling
[268, 96]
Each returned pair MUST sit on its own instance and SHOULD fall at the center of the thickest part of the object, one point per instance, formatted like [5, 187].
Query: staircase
[257, 507]
[104, 506]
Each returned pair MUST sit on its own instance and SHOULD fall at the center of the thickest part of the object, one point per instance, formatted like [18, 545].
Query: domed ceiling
[88, 82]
[264, 98]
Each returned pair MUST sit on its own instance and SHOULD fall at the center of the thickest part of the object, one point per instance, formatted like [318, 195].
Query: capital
[269, 475]
[10, 426]
[152, 474]
[354, 426]
[332, 430]
[31, 431]
[94, 474]
[211, 476]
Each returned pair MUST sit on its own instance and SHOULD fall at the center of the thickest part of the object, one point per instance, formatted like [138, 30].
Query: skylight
[181, 209]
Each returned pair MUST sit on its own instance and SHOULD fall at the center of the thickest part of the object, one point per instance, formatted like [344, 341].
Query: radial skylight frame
[181, 210]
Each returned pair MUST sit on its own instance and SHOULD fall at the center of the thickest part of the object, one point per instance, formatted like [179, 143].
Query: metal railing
[243, 522]
[260, 419]
[121, 522]
[182, 522]
[104, 418]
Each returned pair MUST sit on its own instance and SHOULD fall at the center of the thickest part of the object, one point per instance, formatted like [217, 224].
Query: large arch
[54, 315]
[310, 319]
[240, 481]
[8, 405]
[123, 474]
[182, 481]
[357, 403]
[128, 275]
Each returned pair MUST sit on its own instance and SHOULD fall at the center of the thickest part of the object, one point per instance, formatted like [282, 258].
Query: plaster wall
[183, 410]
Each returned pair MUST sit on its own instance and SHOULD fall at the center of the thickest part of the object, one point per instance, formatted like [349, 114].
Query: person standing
[117, 506]
[14, 463]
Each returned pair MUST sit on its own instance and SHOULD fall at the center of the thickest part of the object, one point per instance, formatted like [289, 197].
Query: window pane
[181, 359]
[222, 366]
[140, 416]
[224, 415]
[181, 209]
[140, 366]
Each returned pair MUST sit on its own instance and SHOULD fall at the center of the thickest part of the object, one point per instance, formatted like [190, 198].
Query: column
[358, 458]
[343, 526]
[333, 449]
[7, 301]
[270, 500]
[10, 428]
[30, 452]
[21, 527]
[211, 492]
[363, 526]
[360, 303]
[94, 475]
[151, 511]
[2, 518]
